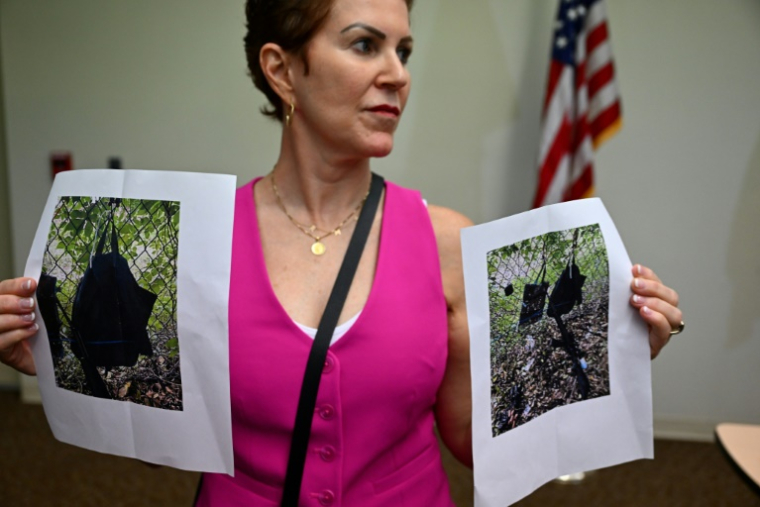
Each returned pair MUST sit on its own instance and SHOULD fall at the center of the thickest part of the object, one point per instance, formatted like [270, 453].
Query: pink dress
[372, 441]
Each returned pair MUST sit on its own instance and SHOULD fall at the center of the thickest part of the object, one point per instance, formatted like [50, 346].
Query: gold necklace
[317, 248]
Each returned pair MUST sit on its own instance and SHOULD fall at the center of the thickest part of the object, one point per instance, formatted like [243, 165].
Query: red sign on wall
[61, 161]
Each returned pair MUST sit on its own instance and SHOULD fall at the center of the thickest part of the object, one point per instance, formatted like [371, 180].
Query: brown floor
[38, 471]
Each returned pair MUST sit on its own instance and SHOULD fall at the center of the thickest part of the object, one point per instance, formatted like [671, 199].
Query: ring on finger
[677, 330]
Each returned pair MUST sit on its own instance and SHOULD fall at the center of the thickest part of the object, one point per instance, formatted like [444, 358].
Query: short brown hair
[288, 23]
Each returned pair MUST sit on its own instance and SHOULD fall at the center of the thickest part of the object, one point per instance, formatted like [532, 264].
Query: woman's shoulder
[446, 221]
[446, 224]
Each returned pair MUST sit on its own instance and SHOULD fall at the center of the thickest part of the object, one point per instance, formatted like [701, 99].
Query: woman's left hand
[658, 306]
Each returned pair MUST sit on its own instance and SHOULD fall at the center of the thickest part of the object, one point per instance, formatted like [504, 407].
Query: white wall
[683, 181]
[8, 377]
[163, 85]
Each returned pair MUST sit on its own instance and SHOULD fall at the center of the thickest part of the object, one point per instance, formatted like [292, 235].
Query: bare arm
[454, 403]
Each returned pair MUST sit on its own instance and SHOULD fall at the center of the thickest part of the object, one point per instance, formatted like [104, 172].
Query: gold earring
[289, 114]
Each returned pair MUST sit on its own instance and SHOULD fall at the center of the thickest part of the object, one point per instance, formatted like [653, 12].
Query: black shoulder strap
[316, 361]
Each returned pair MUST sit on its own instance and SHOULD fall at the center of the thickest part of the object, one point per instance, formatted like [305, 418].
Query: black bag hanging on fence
[534, 299]
[46, 304]
[567, 292]
[111, 310]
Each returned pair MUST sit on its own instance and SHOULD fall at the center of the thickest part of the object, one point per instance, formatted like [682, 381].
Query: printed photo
[548, 299]
[108, 297]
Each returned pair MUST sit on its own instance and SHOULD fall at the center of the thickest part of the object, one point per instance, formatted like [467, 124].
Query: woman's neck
[318, 188]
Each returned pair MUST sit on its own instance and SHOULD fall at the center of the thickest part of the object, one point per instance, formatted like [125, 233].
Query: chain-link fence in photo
[108, 296]
[548, 302]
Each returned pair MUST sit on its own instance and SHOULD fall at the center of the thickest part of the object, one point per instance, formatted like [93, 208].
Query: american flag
[582, 105]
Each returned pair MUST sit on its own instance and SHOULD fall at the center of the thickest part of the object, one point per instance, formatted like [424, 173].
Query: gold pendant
[317, 248]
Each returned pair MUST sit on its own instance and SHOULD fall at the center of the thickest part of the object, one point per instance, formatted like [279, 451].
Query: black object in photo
[47, 306]
[111, 310]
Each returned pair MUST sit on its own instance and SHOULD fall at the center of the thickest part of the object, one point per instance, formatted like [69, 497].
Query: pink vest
[372, 441]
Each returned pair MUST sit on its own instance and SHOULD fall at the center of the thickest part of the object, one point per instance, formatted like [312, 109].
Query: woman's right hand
[17, 324]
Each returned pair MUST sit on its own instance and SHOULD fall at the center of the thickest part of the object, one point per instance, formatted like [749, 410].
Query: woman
[335, 75]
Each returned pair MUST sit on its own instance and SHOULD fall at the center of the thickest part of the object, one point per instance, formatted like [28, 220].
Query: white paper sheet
[180, 416]
[533, 424]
